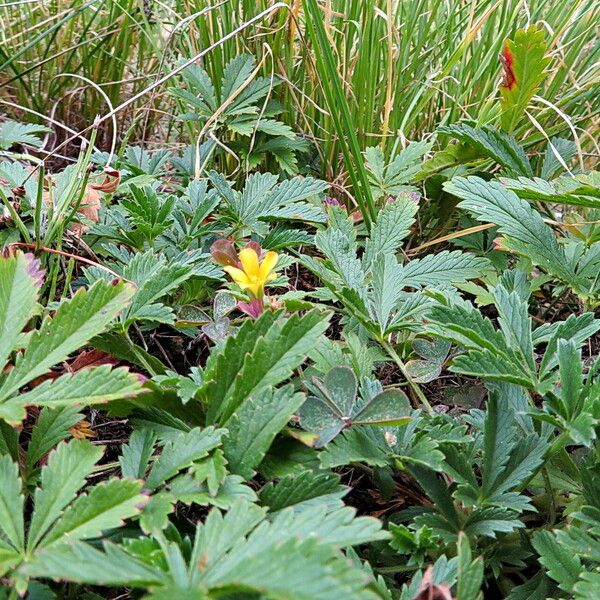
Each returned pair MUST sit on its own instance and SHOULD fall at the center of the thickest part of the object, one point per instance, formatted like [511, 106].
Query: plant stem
[414, 386]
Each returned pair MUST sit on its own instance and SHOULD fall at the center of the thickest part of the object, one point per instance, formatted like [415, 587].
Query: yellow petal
[256, 289]
[249, 260]
[268, 264]
[237, 275]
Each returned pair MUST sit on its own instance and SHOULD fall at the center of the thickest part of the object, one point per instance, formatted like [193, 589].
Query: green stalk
[414, 386]
[340, 113]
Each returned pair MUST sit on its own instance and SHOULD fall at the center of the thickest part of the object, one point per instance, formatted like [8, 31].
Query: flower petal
[256, 289]
[249, 260]
[237, 275]
[268, 264]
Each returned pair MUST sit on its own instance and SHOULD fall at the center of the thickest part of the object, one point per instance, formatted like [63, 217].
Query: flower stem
[414, 386]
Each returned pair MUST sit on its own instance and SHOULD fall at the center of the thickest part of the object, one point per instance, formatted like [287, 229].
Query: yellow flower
[254, 273]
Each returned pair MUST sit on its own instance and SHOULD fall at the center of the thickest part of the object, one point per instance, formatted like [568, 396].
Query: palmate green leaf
[564, 190]
[263, 199]
[51, 427]
[306, 488]
[551, 166]
[528, 234]
[254, 425]
[269, 356]
[76, 320]
[442, 268]
[189, 490]
[68, 466]
[492, 366]
[88, 386]
[135, 455]
[19, 284]
[12, 133]
[105, 507]
[81, 562]
[391, 179]
[340, 250]
[492, 143]
[525, 64]
[464, 325]
[155, 278]
[181, 452]
[11, 507]
[470, 572]
[238, 551]
[310, 537]
[353, 446]
[561, 564]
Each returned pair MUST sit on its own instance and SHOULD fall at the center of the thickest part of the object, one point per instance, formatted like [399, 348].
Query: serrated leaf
[390, 179]
[253, 426]
[529, 235]
[495, 144]
[11, 506]
[87, 386]
[12, 133]
[77, 320]
[491, 366]
[155, 515]
[442, 268]
[230, 490]
[19, 284]
[561, 564]
[271, 360]
[352, 446]
[106, 506]
[181, 452]
[525, 64]
[68, 466]
[81, 562]
[304, 488]
[51, 427]
[135, 455]
[391, 227]
[564, 190]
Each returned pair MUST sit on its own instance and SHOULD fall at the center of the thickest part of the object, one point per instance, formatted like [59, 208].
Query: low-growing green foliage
[224, 377]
